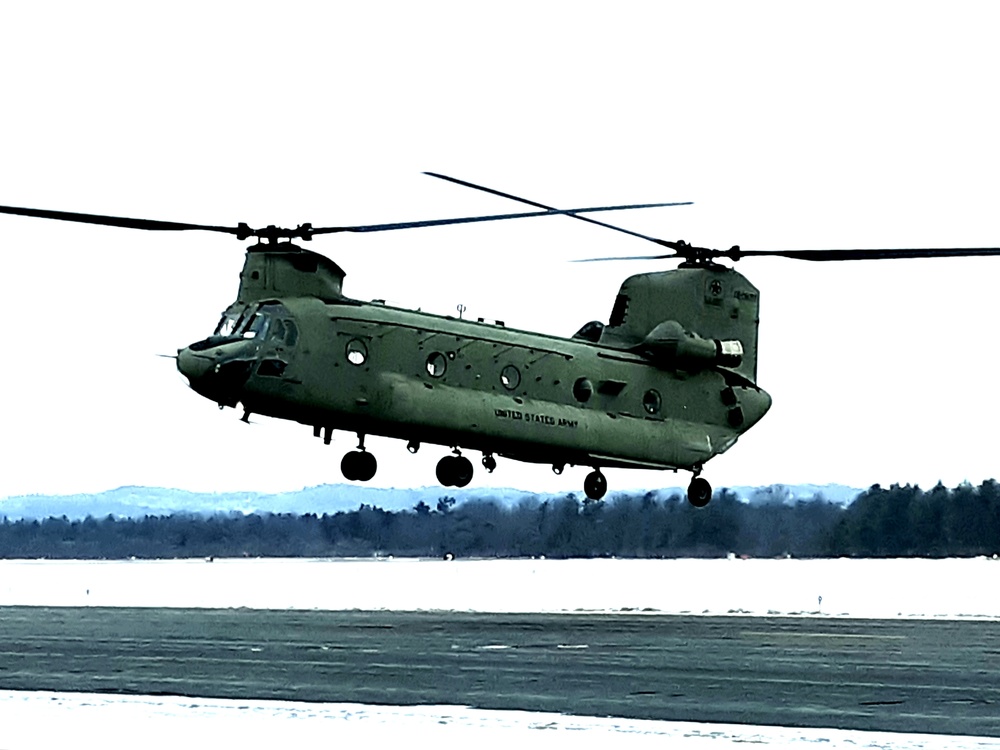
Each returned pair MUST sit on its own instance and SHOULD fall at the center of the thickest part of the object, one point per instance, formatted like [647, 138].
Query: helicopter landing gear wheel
[358, 466]
[595, 485]
[454, 471]
[699, 492]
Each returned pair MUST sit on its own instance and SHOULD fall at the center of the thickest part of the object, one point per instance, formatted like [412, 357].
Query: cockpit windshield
[231, 320]
[262, 322]
[256, 326]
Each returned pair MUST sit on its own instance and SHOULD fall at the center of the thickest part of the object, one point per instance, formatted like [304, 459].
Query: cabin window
[356, 352]
[652, 402]
[510, 377]
[437, 363]
[583, 389]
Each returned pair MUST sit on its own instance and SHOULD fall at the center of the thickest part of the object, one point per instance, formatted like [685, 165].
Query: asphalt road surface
[893, 675]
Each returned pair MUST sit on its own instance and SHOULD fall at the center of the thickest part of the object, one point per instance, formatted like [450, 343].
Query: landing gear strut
[454, 471]
[595, 485]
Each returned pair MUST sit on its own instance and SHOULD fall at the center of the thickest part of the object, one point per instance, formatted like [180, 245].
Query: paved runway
[895, 675]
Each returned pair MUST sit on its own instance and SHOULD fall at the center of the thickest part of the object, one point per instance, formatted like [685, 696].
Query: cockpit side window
[277, 332]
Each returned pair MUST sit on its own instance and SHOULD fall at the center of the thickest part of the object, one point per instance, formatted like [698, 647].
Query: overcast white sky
[791, 125]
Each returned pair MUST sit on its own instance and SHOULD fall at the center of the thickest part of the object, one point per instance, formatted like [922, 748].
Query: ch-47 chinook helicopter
[667, 383]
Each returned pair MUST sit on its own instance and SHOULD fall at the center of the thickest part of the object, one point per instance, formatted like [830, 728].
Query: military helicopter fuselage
[667, 383]
[643, 391]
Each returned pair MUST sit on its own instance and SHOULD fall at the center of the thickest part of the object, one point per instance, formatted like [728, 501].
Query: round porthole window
[437, 363]
[510, 377]
[357, 352]
[652, 402]
[583, 389]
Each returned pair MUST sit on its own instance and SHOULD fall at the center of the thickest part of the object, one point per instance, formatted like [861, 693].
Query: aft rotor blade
[871, 254]
[690, 253]
[115, 221]
[494, 217]
[681, 249]
[542, 205]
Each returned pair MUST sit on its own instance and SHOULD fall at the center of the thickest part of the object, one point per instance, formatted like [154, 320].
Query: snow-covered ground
[105, 722]
[857, 588]
[840, 587]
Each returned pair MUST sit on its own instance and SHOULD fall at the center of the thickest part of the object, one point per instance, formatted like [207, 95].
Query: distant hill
[793, 493]
[136, 502]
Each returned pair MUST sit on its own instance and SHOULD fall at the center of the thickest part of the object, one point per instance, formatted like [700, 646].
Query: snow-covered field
[856, 588]
[105, 722]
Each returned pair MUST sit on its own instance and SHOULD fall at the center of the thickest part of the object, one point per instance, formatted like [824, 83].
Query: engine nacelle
[670, 345]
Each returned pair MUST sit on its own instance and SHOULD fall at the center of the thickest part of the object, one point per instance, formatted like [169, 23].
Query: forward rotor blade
[542, 205]
[627, 257]
[114, 221]
[494, 217]
[304, 231]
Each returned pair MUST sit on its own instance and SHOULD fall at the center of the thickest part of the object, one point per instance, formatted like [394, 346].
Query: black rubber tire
[367, 465]
[445, 471]
[349, 466]
[595, 485]
[699, 492]
[463, 471]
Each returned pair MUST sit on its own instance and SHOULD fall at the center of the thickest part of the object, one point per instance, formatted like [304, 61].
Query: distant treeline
[893, 522]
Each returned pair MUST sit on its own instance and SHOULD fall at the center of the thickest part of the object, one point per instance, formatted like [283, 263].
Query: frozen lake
[849, 588]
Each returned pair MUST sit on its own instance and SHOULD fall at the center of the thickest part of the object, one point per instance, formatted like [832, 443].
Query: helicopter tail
[699, 316]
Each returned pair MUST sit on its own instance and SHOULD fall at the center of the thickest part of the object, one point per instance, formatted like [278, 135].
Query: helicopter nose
[193, 365]
[213, 375]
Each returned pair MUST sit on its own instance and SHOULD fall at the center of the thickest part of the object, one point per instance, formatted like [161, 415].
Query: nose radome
[194, 366]
[216, 374]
